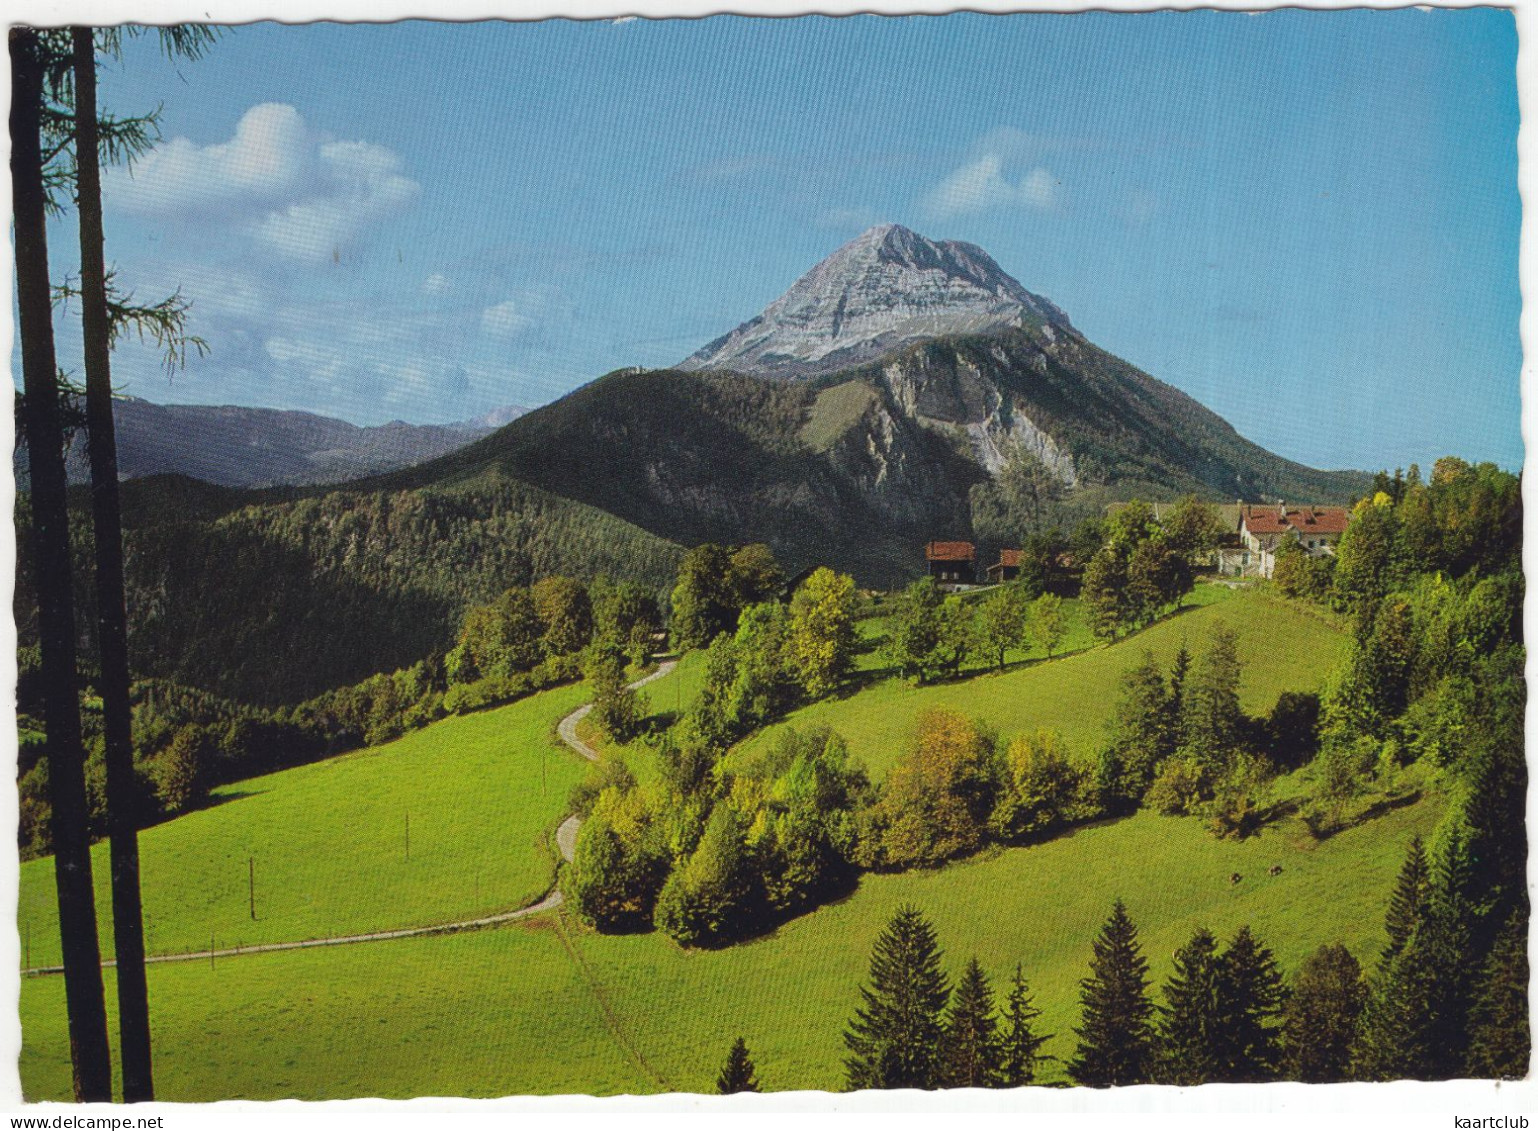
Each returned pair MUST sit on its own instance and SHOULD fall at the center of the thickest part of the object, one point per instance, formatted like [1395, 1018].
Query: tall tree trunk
[112, 617]
[83, 995]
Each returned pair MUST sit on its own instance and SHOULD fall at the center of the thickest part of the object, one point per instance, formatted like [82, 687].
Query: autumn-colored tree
[936, 801]
[1041, 791]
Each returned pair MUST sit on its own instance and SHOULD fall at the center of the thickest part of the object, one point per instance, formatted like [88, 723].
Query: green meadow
[1282, 646]
[546, 1006]
[328, 841]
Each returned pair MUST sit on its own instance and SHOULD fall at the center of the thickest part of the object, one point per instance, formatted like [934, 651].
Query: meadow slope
[329, 840]
[1283, 646]
[547, 1006]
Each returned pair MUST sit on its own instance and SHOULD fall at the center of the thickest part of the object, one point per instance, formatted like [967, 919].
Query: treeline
[188, 741]
[1180, 742]
[268, 599]
[711, 856]
[934, 634]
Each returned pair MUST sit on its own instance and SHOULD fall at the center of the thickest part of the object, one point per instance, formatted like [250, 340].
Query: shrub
[1178, 787]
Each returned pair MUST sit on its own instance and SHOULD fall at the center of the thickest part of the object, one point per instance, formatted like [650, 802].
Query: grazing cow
[1235, 878]
[1275, 870]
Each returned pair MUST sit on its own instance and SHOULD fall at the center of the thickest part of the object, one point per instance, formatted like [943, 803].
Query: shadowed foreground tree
[1116, 1038]
[1321, 1016]
[894, 1039]
[737, 1075]
[1020, 1044]
[970, 1048]
[1251, 994]
[1500, 1032]
[79, 942]
[1190, 1019]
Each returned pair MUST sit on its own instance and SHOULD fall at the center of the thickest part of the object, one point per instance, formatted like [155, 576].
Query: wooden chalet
[1007, 568]
[952, 563]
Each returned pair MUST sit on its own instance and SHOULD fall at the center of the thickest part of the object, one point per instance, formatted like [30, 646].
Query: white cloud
[436, 284]
[505, 320]
[981, 185]
[292, 190]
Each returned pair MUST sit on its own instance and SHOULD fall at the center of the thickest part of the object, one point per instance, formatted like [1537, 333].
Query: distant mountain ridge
[883, 290]
[233, 446]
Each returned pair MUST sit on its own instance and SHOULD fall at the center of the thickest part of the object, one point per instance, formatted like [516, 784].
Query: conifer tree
[970, 1048]
[1415, 1023]
[1500, 1033]
[1116, 1039]
[1020, 1046]
[1321, 1016]
[894, 1039]
[1180, 671]
[1189, 1021]
[1141, 734]
[1407, 902]
[1251, 994]
[1211, 719]
[737, 1075]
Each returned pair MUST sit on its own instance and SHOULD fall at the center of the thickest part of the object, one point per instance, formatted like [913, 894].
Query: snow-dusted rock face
[879, 292]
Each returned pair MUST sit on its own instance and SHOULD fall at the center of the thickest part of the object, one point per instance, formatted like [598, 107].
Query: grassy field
[549, 1007]
[329, 840]
[1282, 646]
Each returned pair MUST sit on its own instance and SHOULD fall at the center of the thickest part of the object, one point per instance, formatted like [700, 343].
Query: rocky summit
[884, 290]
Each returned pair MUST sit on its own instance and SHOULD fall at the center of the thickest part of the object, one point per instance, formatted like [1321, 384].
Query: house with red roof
[1007, 568]
[952, 563]
[1262, 529]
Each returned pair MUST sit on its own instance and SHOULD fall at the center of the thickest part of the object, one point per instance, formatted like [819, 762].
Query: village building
[952, 563]
[1007, 568]
[1262, 530]
[1251, 533]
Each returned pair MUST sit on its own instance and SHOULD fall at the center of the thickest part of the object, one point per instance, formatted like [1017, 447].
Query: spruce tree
[1142, 734]
[1190, 1019]
[1321, 1016]
[1415, 1023]
[737, 1075]
[1408, 901]
[1020, 1046]
[1251, 994]
[1180, 670]
[894, 1039]
[970, 1049]
[1116, 1039]
[1500, 1033]
[1211, 720]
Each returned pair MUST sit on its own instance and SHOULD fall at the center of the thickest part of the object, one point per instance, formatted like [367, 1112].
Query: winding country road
[565, 839]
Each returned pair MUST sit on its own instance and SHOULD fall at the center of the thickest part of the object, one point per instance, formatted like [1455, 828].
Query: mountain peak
[884, 289]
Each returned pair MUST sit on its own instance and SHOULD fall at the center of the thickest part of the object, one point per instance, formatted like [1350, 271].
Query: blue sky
[1307, 220]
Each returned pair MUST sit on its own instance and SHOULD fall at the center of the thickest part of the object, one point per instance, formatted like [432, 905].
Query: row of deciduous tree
[934, 634]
